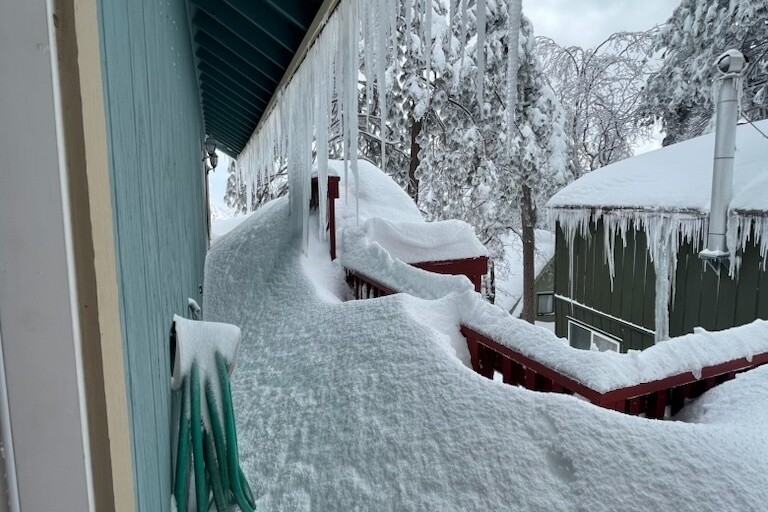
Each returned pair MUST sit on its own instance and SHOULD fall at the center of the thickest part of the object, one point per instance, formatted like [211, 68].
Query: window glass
[579, 336]
[545, 304]
[602, 343]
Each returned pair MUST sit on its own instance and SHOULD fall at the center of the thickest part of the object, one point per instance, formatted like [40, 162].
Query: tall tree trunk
[413, 181]
[528, 216]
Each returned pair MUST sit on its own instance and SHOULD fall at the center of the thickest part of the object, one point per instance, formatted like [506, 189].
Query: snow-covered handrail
[605, 378]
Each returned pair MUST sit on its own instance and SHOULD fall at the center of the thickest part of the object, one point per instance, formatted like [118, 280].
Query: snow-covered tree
[600, 89]
[236, 196]
[477, 166]
[680, 94]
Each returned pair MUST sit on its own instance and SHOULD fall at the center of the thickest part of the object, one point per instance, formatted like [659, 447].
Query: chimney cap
[731, 62]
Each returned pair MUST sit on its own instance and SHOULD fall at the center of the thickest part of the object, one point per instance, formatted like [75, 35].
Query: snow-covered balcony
[342, 402]
[377, 404]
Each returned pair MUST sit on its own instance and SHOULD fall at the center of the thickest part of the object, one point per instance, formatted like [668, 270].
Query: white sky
[588, 22]
[569, 22]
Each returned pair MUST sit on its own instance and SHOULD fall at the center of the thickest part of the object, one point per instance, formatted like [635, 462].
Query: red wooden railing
[650, 398]
[364, 287]
[333, 194]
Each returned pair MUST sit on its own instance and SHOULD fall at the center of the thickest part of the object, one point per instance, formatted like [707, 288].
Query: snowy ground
[364, 405]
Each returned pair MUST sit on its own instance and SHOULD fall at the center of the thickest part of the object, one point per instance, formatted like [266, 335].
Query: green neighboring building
[627, 265]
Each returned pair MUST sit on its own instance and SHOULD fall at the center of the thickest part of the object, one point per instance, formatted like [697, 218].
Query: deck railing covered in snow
[649, 398]
[665, 376]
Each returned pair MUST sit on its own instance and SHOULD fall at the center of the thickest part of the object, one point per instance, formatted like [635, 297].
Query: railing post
[474, 355]
[657, 404]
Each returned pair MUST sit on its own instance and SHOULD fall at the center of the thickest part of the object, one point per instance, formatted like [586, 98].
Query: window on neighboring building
[581, 336]
[545, 304]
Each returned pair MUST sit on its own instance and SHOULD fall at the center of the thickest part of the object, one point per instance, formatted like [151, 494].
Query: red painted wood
[332, 194]
[473, 268]
[359, 281]
[657, 403]
[617, 399]
[487, 361]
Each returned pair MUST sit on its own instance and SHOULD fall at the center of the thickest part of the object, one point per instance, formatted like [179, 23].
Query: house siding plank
[762, 294]
[154, 134]
[688, 302]
[709, 296]
[678, 302]
[746, 302]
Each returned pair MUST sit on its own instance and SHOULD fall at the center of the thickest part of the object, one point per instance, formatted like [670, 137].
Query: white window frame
[614, 340]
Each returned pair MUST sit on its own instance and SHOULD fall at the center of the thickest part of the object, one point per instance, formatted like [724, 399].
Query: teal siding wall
[154, 132]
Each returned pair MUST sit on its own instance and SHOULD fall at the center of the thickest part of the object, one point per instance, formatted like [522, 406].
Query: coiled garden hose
[214, 454]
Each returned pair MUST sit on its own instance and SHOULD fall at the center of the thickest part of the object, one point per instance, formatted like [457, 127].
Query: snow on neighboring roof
[675, 179]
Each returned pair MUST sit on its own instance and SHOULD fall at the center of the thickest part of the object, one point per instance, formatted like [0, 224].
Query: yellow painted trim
[105, 262]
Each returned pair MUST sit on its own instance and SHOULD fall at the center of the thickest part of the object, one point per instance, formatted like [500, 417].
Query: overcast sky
[569, 22]
[588, 22]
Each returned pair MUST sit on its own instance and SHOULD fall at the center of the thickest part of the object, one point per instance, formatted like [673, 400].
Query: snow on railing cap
[418, 242]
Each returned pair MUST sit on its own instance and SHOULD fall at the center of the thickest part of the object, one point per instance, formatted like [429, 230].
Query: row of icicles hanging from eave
[324, 90]
[664, 233]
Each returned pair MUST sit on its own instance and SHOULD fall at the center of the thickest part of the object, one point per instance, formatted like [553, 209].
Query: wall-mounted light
[211, 156]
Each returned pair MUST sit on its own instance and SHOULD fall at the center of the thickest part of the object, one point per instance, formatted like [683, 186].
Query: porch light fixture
[210, 149]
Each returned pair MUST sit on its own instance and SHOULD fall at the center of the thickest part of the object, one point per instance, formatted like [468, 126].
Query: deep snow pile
[365, 406]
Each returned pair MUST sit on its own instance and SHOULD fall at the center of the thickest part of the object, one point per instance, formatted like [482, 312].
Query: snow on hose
[203, 359]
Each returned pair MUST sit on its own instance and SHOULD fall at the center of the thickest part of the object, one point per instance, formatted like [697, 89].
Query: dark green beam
[292, 10]
[238, 43]
[215, 105]
[243, 20]
[228, 68]
[229, 88]
[286, 34]
[239, 124]
[225, 77]
[234, 110]
[235, 138]
[241, 109]
[236, 59]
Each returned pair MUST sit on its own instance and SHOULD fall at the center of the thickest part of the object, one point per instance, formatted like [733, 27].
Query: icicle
[451, 14]
[427, 45]
[353, 103]
[743, 228]
[480, 76]
[383, 31]
[463, 33]
[513, 58]
[664, 233]
[408, 7]
[369, 57]
[322, 107]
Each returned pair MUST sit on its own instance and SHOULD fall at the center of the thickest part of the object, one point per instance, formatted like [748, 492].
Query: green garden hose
[215, 461]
